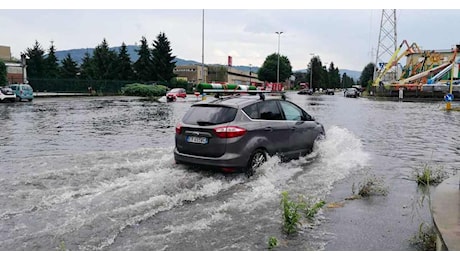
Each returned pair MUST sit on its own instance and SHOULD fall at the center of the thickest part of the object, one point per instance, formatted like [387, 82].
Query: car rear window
[209, 115]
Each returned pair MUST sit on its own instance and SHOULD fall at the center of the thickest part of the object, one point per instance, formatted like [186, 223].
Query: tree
[347, 81]
[104, 61]
[162, 59]
[333, 76]
[87, 67]
[3, 74]
[124, 68]
[143, 67]
[36, 63]
[51, 63]
[316, 67]
[69, 68]
[269, 70]
[367, 75]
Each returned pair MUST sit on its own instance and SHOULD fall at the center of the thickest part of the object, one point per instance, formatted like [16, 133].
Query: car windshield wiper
[203, 123]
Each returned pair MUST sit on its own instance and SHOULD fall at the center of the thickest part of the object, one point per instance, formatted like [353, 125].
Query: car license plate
[197, 139]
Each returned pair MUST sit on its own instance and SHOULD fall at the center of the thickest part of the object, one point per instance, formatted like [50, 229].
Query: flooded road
[98, 173]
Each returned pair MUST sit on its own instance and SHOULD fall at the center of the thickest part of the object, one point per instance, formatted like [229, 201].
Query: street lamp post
[311, 71]
[278, 67]
[250, 74]
[203, 79]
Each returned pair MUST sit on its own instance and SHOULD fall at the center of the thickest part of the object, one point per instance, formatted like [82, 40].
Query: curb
[446, 214]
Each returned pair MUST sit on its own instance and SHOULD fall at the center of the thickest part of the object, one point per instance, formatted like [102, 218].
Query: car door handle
[293, 128]
[268, 129]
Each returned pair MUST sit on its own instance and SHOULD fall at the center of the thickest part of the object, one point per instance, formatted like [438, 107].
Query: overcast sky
[347, 36]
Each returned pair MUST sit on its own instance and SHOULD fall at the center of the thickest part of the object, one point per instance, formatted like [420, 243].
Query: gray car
[238, 133]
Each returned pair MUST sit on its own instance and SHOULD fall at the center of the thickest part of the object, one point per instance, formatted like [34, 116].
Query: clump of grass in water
[425, 239]
[292, 211]
[272, 243]
[429, 175]
[291, 215]
[370, 186]
[311, 211]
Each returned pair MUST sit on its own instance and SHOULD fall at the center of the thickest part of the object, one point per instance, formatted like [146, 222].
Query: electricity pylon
[387, 43]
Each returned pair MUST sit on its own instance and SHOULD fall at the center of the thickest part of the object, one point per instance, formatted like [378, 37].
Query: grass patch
[430, 175]
[272, 243]
[311, 211]
[142, 90]
[372, 185]
[292, 211]
[425, 239]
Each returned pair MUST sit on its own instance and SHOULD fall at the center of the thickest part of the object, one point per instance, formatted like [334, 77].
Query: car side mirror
[307, 118]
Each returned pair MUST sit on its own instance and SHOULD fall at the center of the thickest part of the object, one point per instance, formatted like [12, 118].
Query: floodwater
[98, 173]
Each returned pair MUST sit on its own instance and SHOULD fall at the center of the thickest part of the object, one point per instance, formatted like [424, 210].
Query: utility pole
[311, 71]
[278, 67]
[203, 79]
[250, 74]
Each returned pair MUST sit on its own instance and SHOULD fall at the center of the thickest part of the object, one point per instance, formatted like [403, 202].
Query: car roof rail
[237, 92]
[219, 88]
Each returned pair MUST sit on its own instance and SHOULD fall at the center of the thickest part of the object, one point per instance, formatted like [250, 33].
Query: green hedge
[142, 90]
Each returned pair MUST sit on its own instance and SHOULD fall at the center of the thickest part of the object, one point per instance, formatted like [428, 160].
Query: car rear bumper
[228, 160]
[7, 98]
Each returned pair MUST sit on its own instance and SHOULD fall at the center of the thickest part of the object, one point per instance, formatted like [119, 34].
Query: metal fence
[103, 87]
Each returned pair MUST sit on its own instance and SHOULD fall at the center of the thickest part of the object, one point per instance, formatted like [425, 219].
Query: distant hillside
[78, 54]
[350, 73]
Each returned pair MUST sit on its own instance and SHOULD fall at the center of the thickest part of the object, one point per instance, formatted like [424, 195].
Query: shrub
[143, 90]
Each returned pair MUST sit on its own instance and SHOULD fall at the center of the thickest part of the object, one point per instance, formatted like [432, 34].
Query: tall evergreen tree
[87, 67]
[3, 74]
[269, 70]
[124, 68]
[51, 63]
[162, 59]
[104, 61]
[143, 65]
[69, 68]
[347, 81]
[316, 67]
[333, 76]
[36, 63]
[324, 79]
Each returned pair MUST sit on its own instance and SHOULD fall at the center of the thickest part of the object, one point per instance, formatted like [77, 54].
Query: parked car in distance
[330, 91]
[23, 91]
[174, 93]
[7, 95]
[351, 92]
[305, 91]
[237, 134]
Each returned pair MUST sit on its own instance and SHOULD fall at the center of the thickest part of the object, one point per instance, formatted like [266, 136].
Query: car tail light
[228, 170]
[178, 128]
[229, 131]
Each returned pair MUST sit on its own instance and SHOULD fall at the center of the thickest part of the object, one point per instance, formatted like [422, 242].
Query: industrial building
[15, 69]
[216, 73]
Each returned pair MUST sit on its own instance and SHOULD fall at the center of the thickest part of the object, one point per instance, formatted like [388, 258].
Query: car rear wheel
[258, 158]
